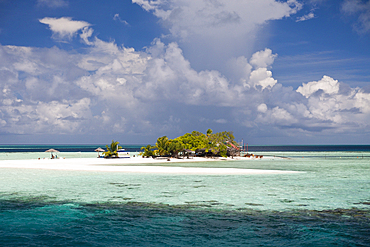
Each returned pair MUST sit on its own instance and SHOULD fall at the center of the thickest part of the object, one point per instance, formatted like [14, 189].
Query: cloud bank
[140, 95]
[211, 32]
[48, 90]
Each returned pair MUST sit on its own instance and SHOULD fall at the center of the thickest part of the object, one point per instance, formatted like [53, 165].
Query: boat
[122, 153]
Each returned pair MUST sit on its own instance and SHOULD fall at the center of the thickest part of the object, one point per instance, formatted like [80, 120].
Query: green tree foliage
[219, 142]
[215, 143]
[112, 150]
[195, 140]
[174, 147]
[162, 145]
[147, 151]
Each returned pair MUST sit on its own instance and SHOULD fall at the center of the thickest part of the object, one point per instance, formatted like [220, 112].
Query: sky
[287, 72]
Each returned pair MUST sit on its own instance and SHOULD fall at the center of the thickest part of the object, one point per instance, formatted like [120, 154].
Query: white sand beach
[135, 165]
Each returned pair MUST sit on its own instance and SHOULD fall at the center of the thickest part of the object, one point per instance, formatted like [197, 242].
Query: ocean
[326, 204]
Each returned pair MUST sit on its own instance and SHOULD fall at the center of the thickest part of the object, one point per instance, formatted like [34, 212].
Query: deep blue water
[310, 148]
[136, 148]
[37, 223]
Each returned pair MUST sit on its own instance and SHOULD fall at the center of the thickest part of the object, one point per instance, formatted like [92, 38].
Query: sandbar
[135, 165]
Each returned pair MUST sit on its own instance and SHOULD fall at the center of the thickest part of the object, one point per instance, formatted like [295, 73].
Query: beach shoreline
[136, 165]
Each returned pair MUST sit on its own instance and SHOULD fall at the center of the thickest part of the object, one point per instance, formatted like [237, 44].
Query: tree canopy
[216, 144]
[112, 150]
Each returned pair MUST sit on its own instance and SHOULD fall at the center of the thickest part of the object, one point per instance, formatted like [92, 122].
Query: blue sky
[274, 72]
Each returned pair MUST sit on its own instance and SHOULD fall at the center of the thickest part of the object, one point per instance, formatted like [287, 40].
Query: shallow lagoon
[328, 203]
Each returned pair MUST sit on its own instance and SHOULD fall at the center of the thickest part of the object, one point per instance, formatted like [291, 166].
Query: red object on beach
[233, 146]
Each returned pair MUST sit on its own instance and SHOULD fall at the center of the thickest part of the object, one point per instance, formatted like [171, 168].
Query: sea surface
[327, 204]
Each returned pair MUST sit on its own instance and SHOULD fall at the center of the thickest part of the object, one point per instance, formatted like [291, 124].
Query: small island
[194, 147]
[221, 144]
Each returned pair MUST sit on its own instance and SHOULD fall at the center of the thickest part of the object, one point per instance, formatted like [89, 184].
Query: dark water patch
[123, 198]
[19, 202]
[197, 204]
[168, 194]
[287, 201]
[253, 204]
[203, 204]
[199, 186]
[363, 203]
[45, 223]
[309, 199]
[124, 185]
[352, 213]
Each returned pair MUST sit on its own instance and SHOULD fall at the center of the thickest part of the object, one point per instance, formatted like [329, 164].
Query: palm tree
[112, 150]
[148, 151]
[162, 145]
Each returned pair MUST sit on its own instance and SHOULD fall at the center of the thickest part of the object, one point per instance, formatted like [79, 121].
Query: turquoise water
[327, 204]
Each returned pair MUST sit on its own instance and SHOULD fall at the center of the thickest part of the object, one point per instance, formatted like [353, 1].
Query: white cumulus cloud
[64, 27]
[326, 84]
[211, 32]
